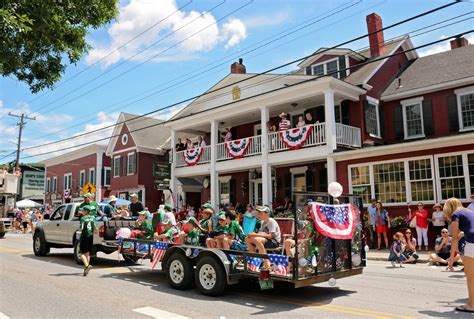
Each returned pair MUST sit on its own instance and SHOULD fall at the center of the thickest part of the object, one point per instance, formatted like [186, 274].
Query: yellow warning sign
[89, 188]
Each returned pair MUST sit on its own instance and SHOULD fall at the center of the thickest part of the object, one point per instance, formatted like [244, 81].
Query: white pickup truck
[59, 231]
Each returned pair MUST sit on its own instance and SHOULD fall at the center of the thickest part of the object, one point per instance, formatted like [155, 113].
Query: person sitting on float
[191, 234]
[235, 239]
[170, 232]
[143, 228]
[218, 235]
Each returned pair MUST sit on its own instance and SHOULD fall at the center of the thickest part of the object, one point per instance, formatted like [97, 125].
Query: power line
[143, 62]
[206, 67]
[256, 75]
[267, 92]
[113, 51]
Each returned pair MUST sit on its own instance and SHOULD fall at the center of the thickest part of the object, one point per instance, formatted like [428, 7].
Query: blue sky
[107, 80]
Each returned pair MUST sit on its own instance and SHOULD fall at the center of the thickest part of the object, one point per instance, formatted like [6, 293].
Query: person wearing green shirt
[170, 232]
[143, 226]
[87, 226]
[192, 235]
[221, 231]
[235, 237]
[89, 202]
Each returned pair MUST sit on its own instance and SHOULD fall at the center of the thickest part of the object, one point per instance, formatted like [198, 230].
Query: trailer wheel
[77, 252]
[40, 247]
[210, 276]
[179, 271]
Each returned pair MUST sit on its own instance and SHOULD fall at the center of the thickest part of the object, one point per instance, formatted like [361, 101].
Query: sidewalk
[382, 255]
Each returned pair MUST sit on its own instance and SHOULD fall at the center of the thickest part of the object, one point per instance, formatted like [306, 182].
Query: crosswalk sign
[88, 188]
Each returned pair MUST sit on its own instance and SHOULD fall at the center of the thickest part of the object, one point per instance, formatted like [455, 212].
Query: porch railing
[348, 136]
[316, 137]
[205, 157]
[254, 148]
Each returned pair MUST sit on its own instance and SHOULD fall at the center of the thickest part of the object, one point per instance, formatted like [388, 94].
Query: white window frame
[325, 67]
[67, 181]
[105, 175]
[467, 181]
[114, 165]
[48, 185]
[376, 103]
[224, 180]
[407, 177]
[55, 184]
[461, 92]
[410, 102]
[92, 180]
[82, 178]
[128, 164]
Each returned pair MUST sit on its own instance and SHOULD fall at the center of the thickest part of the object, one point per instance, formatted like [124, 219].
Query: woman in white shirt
[438, 219]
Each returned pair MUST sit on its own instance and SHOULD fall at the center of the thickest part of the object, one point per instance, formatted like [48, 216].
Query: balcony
[282, 141]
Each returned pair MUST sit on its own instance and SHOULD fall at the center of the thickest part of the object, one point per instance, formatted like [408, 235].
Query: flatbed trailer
[212, 269]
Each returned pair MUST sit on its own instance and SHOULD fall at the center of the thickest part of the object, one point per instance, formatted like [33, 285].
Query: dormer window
[329, 67]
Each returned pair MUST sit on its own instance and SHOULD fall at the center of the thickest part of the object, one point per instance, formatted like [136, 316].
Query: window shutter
[308, 70]
[427, 117]
[381, 121]
[398, 122]
[345, 112]
[287, 186]
[309, 180]
[232, 196]
[342, 65]
[453, 113]
[366, 115]
[120, 166]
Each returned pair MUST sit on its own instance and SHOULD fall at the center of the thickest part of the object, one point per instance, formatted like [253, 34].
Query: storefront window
[224, 191]
[451, 174]
[421, 180]
[470, 163]
[389, 182]
[360, 178]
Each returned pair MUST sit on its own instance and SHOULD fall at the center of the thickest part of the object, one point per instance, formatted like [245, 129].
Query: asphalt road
[53, 287]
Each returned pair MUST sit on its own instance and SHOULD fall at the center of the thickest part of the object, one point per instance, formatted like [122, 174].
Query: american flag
[158, 253]
[253, 263]
[334, 221]
[233, 257]
[280, 262]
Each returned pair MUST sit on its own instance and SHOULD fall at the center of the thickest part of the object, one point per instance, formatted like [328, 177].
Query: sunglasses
[408, 232]
[444, 232]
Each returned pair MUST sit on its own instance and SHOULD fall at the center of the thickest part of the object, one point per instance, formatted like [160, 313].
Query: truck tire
[77, 252]
[210, 276]
[179, 271]
[40, 246]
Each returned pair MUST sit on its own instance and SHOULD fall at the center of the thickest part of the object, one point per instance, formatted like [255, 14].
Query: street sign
[162, 170]
[89, 188]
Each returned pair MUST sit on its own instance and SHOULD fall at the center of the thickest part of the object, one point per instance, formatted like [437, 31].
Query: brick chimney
[238, 67]
[459, 43]
[376, 40]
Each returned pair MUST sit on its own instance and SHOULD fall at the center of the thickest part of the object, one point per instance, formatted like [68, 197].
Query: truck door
[51, 228]
[68, 225]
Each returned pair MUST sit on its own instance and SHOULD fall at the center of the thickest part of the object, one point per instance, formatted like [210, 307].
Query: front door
[299, 185]
[257, 192]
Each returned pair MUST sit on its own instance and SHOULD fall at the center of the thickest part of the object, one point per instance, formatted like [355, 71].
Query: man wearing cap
[89, 202]
[87, 226]
[268, 237]
[169, 214]
[135, 206]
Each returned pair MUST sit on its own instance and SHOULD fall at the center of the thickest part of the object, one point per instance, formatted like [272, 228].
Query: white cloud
[145, 15]
[442, 47]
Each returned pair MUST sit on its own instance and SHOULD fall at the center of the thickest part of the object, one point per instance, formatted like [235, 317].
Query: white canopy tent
[27, 203]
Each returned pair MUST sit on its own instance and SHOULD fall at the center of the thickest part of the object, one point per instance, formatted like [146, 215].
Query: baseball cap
[144, 212]
[193, 221]
[112, 198]
[222, 216]
[134, 195]
[207, 205]
[168, 206]
[87, 195]
[264, 209]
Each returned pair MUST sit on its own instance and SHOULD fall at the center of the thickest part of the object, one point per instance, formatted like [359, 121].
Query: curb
[419, 261]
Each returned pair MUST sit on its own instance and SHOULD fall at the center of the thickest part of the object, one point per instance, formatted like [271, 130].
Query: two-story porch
[253, 148]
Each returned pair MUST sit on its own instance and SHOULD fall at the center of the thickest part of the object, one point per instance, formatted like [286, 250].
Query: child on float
[235, 239]
[222, 229]
[191, 235]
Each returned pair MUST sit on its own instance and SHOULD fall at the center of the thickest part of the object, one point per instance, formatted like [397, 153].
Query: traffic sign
[89, 188]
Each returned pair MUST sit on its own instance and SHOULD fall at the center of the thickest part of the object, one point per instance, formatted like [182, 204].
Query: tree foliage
[40, 37]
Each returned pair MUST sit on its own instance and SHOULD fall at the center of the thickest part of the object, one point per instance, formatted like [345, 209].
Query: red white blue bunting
[334, 221]
[295, 138]
[237, 149]
[192, 156]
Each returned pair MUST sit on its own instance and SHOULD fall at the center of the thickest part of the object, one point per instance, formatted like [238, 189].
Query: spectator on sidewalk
[471, 205]
[396, 250]
[410, 248]
[438, 219]
[462, 220]
[381, 222]
[442, 249]
[372, 210]
[421, 216]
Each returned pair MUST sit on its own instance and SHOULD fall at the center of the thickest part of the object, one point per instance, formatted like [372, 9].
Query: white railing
[255, 148]
[317, 137]
[205, 157]
[348, 135]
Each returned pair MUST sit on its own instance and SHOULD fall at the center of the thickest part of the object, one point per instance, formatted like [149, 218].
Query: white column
[173, 180]
[214, 175]
[331, 169]
[330, 119]
[266, 169]
[98, 177]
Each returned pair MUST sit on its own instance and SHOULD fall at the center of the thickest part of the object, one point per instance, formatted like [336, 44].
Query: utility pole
[21, 124]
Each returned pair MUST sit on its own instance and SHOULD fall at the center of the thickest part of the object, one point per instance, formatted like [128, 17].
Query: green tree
[40, 37]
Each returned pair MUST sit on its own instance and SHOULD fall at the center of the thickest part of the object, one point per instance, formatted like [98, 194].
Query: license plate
[266, 284]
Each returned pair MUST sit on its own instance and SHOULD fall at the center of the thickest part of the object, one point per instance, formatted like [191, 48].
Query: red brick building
[67, 174]
[134, 152]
